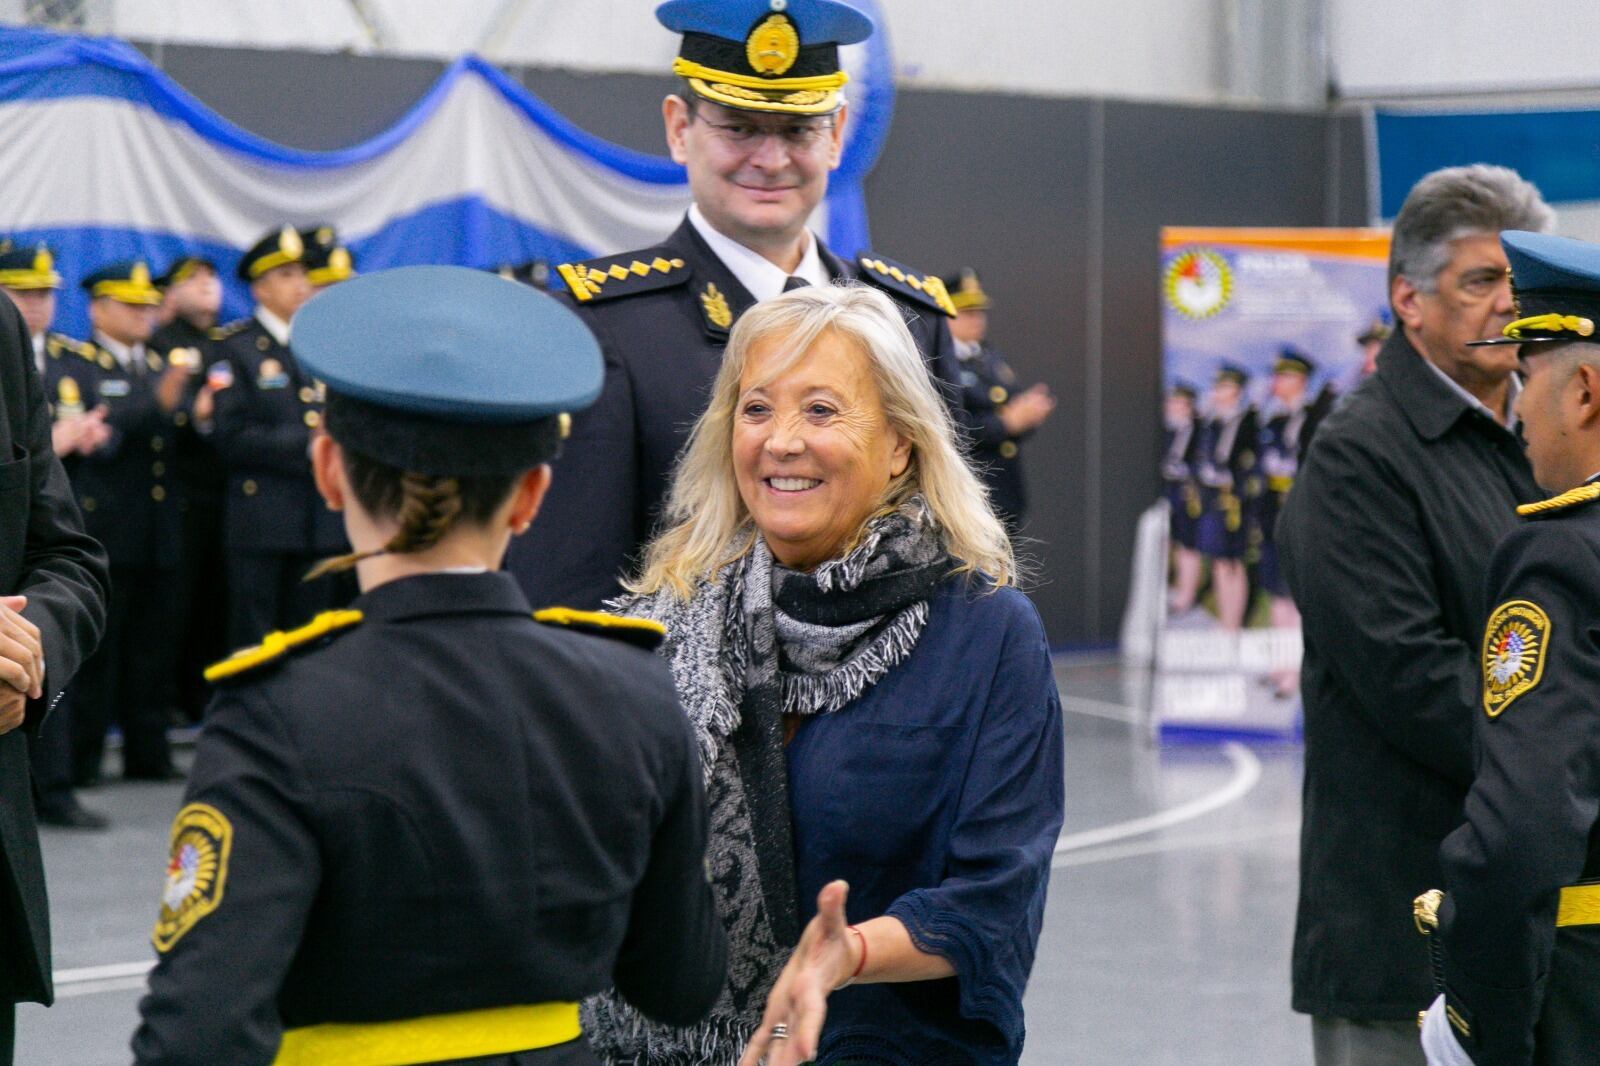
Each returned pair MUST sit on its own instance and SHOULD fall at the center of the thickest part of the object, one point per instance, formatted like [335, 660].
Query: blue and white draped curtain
[105, 157]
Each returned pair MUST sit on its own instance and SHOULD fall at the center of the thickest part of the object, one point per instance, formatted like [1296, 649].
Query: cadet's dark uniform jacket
[1522, 956]
[127, 488]
[1226, 454]
[662, 316]
[1178, 455]
[986, 383]
[443, 807]
[198, 465]
[1279, 448]
[263, 425]
[1385, 541]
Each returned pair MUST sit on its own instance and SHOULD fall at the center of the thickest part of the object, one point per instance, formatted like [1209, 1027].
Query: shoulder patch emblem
[624, 275]
[197, 872]
[641, 632]
[56, 343]
[927, 290]
[1570, 498]
[275, 645]
[1513, 653]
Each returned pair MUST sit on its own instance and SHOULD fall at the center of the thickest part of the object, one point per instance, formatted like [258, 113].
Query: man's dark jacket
[1385, 540]
[46, 556]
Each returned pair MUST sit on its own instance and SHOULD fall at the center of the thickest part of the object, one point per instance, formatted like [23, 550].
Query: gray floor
[1166, 940]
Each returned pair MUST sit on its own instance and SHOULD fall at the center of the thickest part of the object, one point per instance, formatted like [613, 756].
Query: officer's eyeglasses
[796, 136]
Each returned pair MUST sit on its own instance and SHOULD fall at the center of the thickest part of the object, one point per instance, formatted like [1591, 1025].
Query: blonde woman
[873, 701]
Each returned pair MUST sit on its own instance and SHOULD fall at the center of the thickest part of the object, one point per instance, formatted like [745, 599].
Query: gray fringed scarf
[754, 644]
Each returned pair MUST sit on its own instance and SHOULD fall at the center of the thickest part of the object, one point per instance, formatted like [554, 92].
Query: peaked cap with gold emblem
[327, 260]
[765, 55]
[25, 268]
[281, 246]
[126, 281]
[1556, 284]
[966, 291]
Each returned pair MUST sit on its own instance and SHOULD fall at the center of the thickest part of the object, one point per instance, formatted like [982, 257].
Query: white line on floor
[91, 974]
[1117, 712]
[1137, 849]
[1246, 775]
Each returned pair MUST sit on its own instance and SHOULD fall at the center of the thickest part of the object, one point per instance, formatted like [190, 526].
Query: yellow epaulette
[621, 275]
[641, 632]
[1570, 498]
[56, 343]
[222, 333]
[925, 289]
[275, 645]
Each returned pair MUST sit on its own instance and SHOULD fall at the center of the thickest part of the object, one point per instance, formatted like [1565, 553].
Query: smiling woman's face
[813, 453]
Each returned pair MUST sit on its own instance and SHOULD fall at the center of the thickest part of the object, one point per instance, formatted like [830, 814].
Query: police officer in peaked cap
[422, 828]
[1519, 927]
[758, 123]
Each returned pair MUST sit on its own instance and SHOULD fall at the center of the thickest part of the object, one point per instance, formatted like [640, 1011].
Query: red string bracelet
[860, 966]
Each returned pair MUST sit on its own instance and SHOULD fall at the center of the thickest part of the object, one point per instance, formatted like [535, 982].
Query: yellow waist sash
[467, 1035]
[1580, 905]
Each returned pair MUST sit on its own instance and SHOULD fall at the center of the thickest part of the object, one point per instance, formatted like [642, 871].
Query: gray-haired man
[1384, 542]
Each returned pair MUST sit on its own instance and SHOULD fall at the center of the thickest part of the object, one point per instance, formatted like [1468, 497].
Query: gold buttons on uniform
[158, 494]
[1008, 450]
[157, 443]
[88, 503]
[249, 488]
[998, 395]
[313, 419]
[181, 418]
[158, 468]
[307, 394]
[262, 344]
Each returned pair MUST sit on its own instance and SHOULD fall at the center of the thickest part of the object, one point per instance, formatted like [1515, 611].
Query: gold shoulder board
[621, 275]
[274, 646]
[641, 632]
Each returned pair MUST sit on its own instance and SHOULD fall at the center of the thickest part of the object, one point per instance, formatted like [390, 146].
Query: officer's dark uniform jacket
[986, 382]
[199, 468]
[127, 488]
[662, 316]
[1178, 455]
[1384, 542]
[1226, 454]
[1522, 949]
[441, 807]
[262, 428]
[1280, 445]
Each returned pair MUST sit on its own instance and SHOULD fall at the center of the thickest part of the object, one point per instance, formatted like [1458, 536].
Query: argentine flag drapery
[103, 156]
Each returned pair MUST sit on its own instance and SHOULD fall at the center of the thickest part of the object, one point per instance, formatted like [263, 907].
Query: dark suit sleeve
[591, 521]
[214, 992]
[64, 571]
[674, 955]
[1534, 801]
[248, 437]
[1359, 567]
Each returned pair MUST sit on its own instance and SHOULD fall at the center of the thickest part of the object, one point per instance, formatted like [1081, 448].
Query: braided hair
[427, 507]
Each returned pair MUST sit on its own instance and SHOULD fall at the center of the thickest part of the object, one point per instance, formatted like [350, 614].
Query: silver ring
[780, 1031]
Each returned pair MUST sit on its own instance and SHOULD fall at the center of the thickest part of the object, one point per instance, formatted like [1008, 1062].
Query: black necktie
[795, 283]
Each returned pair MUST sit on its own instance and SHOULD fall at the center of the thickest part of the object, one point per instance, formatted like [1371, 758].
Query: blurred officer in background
[759, 124]
[328, 262]
[1227, 455]
[1178, 458]
[191, 300]
[999, 416]
[1384, 543]
[1521, 926]
[275, 524]
[421, 829]
[129, 498]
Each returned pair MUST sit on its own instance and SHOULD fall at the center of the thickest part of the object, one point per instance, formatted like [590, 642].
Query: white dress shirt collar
[124, 354]
[757, 274]
[38, 352]
[273, 325]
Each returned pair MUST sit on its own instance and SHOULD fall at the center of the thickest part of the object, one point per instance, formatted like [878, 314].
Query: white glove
[1439, 1039]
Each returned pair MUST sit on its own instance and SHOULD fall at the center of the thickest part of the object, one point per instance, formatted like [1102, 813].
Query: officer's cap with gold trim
[327, 260]
[1292, 360]
[1184, 389]
[780, 56]
[1556, 283]
[28, 268]
[184, 268]
[278, 248]
[966, 291]
[1378, 329]
[126, 281]
[1232, 373]
[447, 371]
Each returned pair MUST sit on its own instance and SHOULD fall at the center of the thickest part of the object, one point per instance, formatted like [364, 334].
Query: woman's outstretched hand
[826, 957]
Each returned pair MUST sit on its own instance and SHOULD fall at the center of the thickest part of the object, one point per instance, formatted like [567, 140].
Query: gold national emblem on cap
[290, 244]
[197, 872]
[1513, 653]
[773, 46]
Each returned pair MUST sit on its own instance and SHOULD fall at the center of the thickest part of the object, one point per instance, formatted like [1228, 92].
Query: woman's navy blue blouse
[937, 795]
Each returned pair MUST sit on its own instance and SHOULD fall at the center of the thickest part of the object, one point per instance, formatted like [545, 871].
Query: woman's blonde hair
[706, 523]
